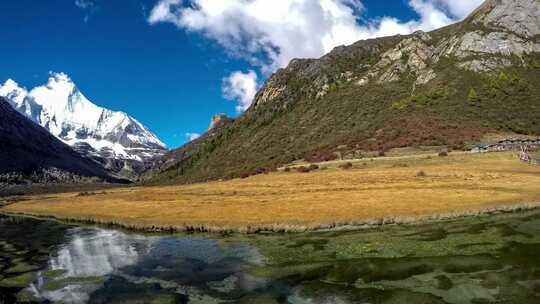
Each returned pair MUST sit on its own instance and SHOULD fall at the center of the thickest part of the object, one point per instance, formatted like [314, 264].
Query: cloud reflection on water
[99, 254]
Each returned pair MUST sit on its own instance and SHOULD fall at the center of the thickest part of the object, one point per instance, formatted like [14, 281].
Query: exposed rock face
[494, 43]
[485, 64]
[508, 28]
[521, 17]
[502, 29]
[413, 55]
[218, 121]
[315, 77]
[505, 28]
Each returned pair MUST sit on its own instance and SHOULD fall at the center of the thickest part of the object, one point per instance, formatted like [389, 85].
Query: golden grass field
[374, 191]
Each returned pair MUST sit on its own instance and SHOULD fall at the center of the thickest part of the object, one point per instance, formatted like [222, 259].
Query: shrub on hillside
[85, 193]
[287, 169]
[421, 173]
[443, 154]
[346, 166]
[302, 169]
[313, 167]
[319, 157]
[473, 96]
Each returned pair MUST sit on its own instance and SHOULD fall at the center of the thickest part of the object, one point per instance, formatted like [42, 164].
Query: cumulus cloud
[192, 136]
[166, 11]
[84, 4]
[89, 6]
[269, 33]
[459, 9]
[241, 87]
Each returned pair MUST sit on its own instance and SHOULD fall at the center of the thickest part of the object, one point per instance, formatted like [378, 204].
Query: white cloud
[241, 87]
[84, 4]
[165, 11]
[269, 33]
[89, 6]
[192, 136]
[459, 8]
[287, 29]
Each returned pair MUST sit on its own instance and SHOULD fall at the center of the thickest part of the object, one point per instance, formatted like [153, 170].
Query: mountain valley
[448, 88]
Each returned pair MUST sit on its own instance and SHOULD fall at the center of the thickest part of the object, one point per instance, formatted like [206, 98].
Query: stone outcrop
[218, 121]
[521, 17]
[412, 55]
[494, 43]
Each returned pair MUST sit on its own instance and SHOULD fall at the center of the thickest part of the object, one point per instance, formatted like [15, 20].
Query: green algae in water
[61, 283]
[25, 296]
[475, 260]
[21, 267]
[7, 247]
[54, 273]
[443, 282]
[21, 280]
[119, 290]
[317, 244]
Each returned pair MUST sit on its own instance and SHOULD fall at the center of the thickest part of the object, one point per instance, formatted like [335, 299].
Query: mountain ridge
[115, 139]
[44, 159]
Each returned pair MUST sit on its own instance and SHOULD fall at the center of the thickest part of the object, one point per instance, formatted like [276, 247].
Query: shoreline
[367, 195]
[291, 228]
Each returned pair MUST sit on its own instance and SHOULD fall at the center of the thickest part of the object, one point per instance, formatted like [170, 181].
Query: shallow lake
[491, 259]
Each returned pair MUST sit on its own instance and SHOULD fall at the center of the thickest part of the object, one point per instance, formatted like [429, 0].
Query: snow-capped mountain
[117, 140]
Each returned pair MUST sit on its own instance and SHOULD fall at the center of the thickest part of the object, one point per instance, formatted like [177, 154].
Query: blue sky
[169, 71]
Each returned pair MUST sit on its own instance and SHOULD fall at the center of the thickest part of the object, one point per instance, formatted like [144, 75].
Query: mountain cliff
[116, 140]
[30, 153]
[449, 87]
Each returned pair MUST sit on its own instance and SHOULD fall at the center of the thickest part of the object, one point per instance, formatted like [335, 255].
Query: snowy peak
[17, 97]
[64, 104]
[13, 92]
[64, 111]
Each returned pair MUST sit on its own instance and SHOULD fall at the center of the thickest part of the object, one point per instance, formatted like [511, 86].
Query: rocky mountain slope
[118, 141]
[448, 87]
[30, 154]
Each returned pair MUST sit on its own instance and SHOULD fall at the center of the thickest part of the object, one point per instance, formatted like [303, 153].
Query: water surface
[494, 259]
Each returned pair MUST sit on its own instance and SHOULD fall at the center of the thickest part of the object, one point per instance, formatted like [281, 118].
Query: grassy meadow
[375, 191]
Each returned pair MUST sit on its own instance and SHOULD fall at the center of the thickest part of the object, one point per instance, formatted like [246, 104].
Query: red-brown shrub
[346, 166]
[321, 156]
[302, 169]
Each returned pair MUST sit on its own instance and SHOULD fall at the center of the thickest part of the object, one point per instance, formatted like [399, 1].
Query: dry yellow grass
[370, 193]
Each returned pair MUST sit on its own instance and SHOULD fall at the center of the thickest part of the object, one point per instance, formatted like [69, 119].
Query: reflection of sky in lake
[491, 259]
[100, 254]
